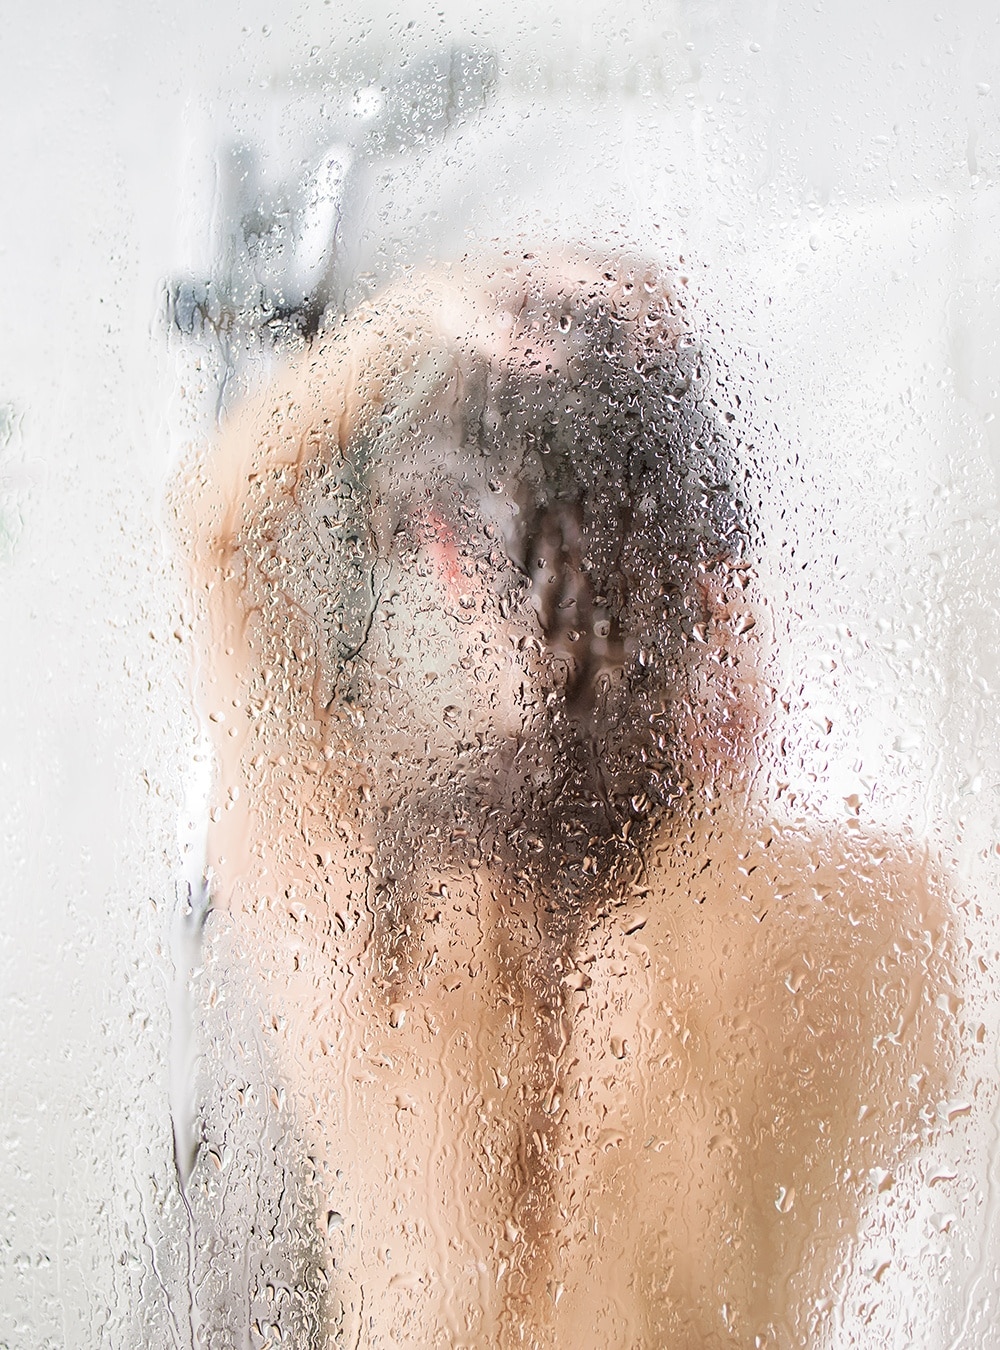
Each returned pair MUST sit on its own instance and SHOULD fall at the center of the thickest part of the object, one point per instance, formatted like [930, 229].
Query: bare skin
[649, 1119]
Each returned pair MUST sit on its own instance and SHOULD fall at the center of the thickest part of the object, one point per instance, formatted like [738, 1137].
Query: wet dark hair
[561, 405]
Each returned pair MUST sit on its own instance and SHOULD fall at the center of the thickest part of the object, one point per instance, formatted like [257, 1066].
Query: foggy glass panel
[497, 522]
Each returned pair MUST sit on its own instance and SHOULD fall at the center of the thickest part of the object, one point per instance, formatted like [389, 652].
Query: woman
[588, 1048]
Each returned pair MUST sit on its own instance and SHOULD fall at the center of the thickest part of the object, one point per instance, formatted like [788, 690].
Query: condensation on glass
[532, 756]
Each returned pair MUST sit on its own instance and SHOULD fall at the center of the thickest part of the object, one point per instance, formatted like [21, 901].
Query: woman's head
[465, 556]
